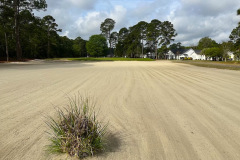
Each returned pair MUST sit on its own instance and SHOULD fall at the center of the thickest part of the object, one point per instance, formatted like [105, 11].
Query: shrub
[76, 131]
[187, 58]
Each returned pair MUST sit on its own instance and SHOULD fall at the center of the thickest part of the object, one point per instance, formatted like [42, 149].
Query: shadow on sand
[113, 144]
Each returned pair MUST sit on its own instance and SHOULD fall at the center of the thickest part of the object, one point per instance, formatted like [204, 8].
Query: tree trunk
[6, 41]
[110, 46]
[109, 41]
[142, 49]
[17, 35]
[156, 51]
[48, 48]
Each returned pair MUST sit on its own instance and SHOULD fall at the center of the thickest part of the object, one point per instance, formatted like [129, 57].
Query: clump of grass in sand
[76, 131]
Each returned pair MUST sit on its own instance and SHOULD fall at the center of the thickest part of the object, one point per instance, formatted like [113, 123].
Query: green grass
[103, 59]
[76, 130]
[230, 65]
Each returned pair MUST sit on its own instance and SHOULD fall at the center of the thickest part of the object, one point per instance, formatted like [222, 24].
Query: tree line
[24, 35]
[138, 39]
[210, 48]
[156, 36]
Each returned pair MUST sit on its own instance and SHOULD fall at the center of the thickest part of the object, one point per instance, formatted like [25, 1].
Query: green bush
[76, 131]
[187, 58]
[97, 46]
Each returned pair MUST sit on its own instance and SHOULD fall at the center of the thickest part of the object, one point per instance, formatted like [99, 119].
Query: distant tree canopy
[79, 47]
[20, 10]
[23, 35]
[144, 37]
[176, 48]
[206, 42]
[212, 52]
[97, 46]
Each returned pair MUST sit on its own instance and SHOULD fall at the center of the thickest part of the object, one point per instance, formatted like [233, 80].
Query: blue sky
[192, 19]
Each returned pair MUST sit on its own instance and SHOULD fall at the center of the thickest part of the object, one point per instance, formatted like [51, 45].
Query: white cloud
[89, 24]
[119, 14]
[83, 4]
[66, 33]
[192, 19]
[208, 8]
[195, 19]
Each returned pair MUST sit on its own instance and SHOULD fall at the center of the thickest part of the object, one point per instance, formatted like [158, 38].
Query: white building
[231, 55]
[195, 55]
[170, 55]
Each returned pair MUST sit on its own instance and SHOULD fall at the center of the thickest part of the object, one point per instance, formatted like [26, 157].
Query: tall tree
[18, 6]
[6, 14]
[79, 47]
[160, 33]
[133, 43]
[114, 39]
[154, 33]
[121, 47]
[122, 35]
[142, 32]
[176, 48]
[226, 48]
[238, 13]
[235, 38]
[235, 34]
[106, 28]
[28, 33]
[51, 27]
[168, 33]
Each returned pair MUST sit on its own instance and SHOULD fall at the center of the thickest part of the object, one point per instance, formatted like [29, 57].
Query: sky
[192, 19]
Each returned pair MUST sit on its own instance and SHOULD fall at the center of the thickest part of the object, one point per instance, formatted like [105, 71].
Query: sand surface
[156, 110]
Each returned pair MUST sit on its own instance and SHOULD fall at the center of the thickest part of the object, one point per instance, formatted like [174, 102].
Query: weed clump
[76, 131]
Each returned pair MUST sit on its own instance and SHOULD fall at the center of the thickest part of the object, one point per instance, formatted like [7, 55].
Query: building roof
[194, 50]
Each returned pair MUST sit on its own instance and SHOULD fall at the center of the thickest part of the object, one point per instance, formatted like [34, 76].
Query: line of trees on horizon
[26, 36]
[136, 40]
